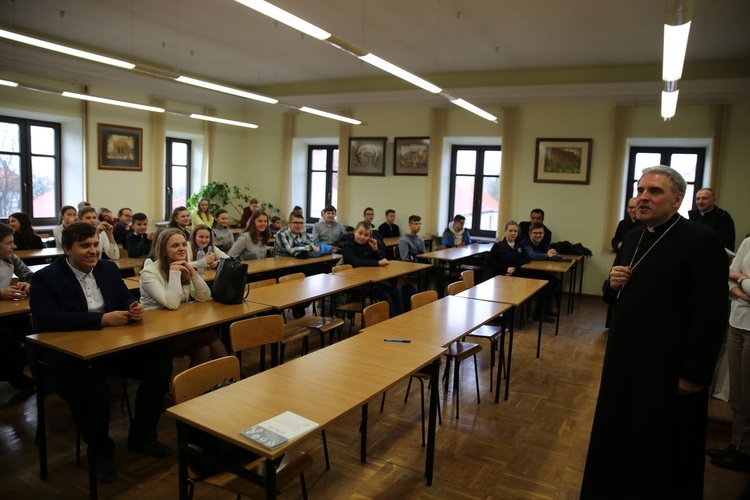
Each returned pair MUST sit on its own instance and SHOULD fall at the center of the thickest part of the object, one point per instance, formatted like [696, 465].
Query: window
[689, 162]
[30, 169]
[179, 159]
[322, 179]
[475, 187]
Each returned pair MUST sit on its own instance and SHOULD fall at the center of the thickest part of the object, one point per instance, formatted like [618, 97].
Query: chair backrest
[254, 332]
[290, 277]
[468, 278]
[422, 298]
[342, 267]
[199, 379]
[456, 287]
[375, 313]
[260, 284]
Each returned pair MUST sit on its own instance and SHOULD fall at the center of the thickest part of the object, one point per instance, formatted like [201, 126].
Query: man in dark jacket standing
[707, 213]
[668, 285]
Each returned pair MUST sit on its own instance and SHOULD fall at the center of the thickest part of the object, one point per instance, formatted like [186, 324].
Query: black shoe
[105, 471]
[21, 381]
[733, 461]
[723, 452]
[153, 448]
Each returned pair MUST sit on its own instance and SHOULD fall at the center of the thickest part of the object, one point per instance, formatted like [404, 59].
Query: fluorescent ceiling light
[333, 116]
[675, 47]
[65, 50]
[669, 104]
[7, 83]
[225, 89]
[474, 109]
[285, 17]
[103, 100]
[401, 73]
[222, 120]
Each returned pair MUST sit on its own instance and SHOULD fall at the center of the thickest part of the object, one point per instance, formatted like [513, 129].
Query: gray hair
[676, 181]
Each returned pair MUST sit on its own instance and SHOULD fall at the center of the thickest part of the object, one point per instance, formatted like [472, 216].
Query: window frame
[666, 152]
[329, 148]
[168, 190]
[25, 166]
[479, 178]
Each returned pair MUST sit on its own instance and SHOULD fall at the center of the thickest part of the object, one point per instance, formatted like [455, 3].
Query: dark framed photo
[563, 161]
[120, 148]
[411, 155]
[367, 155]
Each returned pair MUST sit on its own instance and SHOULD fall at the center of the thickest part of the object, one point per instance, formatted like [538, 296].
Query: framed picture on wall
[411, 155]
[367, 155]
[120, 148]
[563, 161]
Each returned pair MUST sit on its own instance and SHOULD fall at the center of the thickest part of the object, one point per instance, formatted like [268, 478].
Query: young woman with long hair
[171, 280]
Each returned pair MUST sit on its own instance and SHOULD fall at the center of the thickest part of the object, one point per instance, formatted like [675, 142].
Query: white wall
[577, 213]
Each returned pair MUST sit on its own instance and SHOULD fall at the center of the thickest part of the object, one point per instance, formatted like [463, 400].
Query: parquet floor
[531, 446]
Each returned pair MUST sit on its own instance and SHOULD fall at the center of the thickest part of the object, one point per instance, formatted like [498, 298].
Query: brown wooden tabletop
[508, 289]
[439, 323]
[394, 269]
[550, 266]
[41, 253]
[457, 253]
[321, 386]
[271, 264]
[157, 324]
[9, 307]
[283, 295]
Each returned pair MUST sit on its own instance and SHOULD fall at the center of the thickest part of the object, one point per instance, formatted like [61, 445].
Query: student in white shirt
[104, 231]
[170, 281]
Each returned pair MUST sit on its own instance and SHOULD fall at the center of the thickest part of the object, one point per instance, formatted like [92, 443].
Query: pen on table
[401, 341]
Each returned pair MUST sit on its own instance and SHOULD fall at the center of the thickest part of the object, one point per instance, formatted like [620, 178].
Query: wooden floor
[532, 446]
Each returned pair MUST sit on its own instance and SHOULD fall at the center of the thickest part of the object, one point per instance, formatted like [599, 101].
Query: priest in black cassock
[668, 287]
[626, 225]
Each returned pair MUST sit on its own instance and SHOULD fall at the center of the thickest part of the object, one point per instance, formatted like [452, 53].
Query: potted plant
[221, 195]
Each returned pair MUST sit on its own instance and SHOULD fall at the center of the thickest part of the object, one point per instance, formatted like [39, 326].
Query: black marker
[402, 341]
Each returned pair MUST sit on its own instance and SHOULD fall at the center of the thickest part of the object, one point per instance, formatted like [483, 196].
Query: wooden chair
[350, 309]
[292, 333]
[468, 278]
[322, 324]
[200, 379]
[423, 298]
[459, 351]
[260, 332]
[495, 334]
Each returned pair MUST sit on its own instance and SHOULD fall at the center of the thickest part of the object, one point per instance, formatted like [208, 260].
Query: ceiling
[488, 51]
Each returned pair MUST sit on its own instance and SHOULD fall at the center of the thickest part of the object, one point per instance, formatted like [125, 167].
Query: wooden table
[322, 386]
[11, 307]
[454, 255]
[275, 264]
[439, 323]
[42, 253]
[89, 345]
[512, 291]
[284, 295]
[391, 241]
[124, 263]
[557, 267]
[394, 269]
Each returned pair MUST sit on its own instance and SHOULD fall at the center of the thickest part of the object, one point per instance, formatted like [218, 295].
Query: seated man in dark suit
[82, 292]
[537, 217]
